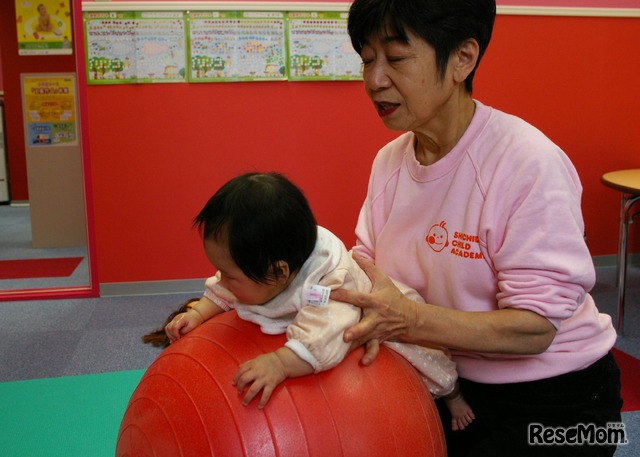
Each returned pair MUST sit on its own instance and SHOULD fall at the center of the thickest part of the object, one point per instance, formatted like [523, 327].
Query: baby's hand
[182, 324]
[264, 373]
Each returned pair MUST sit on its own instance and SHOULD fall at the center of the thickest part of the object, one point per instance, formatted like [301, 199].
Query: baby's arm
[266, 371]
[183, 323]
[314, 344]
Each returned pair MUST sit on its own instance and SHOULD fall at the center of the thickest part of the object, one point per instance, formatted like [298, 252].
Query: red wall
[158, 151]
[1, 80]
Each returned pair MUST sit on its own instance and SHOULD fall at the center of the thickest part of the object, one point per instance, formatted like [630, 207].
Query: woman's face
[246, 290]
[402, 81]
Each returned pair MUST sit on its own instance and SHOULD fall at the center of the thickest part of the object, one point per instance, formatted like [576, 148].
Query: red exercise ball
[186, 406]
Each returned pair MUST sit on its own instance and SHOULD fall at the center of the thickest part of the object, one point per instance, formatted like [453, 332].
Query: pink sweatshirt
[494, 224]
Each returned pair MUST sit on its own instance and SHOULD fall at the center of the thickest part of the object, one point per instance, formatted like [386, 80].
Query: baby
[276, 268]
[44, 20]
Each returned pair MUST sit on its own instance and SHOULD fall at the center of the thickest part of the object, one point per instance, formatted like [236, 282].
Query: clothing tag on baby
[316, 295]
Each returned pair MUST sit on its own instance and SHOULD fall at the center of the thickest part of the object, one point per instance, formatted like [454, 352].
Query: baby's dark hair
[264, 218]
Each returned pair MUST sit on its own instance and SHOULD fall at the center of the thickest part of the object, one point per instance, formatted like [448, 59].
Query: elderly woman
[480, 213]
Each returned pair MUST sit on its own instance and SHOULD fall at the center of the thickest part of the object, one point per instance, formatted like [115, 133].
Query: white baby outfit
[315, 324]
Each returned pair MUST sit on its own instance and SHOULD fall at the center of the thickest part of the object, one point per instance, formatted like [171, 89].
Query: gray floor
[51, 338]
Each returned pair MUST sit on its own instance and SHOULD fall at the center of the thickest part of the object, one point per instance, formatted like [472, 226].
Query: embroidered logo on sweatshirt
[462, 245]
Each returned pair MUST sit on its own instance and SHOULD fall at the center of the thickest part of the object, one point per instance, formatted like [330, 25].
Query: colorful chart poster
[44, 27]
[320, 48]
[135, 47]
[50, 109]
[237, 46]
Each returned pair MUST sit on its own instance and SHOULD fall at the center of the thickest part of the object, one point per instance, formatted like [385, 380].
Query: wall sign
[44, 27]
[237, 46]
[125, 47]
[49, 103]
[320, 47]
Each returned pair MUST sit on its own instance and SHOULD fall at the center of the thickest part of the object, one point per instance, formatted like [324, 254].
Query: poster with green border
[320, 48]
[237, 46]
[124, 47]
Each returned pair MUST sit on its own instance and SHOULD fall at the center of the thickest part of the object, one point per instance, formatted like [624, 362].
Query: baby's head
[263, 219]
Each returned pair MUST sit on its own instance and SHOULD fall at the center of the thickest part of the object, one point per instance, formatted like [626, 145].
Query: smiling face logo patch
[438, 237]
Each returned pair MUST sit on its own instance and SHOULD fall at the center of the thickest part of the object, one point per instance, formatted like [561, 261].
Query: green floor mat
[75, 416]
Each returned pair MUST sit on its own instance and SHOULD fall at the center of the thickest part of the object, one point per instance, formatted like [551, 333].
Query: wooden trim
[335, 6]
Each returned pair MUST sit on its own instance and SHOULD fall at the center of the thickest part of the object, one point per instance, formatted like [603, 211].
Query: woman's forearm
[388, 315]
[505, 331]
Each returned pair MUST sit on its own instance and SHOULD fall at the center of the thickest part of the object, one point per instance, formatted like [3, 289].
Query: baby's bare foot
[461, 413]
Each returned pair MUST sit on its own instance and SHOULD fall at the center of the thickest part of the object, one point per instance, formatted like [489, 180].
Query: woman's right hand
[387, 313]
[182, 324]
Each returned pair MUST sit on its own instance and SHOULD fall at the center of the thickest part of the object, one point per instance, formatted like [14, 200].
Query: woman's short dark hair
[444, 24]
[264, 218]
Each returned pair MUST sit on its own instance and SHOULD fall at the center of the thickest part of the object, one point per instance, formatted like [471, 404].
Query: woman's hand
[387, 313]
